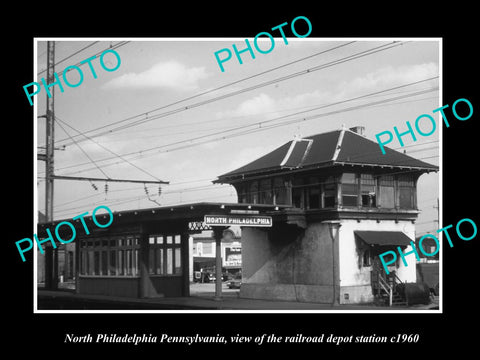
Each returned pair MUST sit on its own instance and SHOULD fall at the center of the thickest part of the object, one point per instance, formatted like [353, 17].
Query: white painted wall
[350, 272]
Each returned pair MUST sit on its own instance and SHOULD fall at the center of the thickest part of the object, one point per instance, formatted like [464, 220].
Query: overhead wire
[110, 151]
[80, 63]
[210, 135]
[257, 86]
[233, 118]
[260, 126]
[83, 151]
[237, 92]
[228, 84]
[248, 192]
[71, 55]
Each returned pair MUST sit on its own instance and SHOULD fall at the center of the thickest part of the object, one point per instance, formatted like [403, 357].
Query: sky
[139, 126]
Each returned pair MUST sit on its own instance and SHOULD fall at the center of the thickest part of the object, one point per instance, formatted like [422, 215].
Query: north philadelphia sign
[240, 220]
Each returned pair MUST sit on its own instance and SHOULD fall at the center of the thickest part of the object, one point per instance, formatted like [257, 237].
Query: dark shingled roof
[321, 149]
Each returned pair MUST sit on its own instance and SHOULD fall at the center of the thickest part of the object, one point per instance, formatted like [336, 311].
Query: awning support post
[218, 234]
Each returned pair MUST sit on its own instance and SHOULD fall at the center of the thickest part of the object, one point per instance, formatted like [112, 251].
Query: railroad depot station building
[335, 203]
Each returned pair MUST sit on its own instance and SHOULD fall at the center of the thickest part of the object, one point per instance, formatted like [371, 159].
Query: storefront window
[113, 263]
[110, 256]
[104, 262]
[165, 255]
[90, 262]
[169, 261]
[121, 269]
[178, 261]
[96, 259]
[158, 253]
[129, 262]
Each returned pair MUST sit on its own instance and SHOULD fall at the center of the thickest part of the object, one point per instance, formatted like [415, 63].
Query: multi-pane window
[280, 191]
[253, 192]
[406, 190]
[349, 189]
[387, 191]
[265, 192]
[368, 190]
[165, 255]
[298, 192]
[329, 192]
[313, 193]
[110, 256]
[317, 192]
[314, 197]
[242, 194]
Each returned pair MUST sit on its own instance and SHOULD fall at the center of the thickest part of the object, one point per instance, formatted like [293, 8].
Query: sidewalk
[58, 300]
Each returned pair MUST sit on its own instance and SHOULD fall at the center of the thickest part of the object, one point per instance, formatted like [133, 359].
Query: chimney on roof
[360, 130]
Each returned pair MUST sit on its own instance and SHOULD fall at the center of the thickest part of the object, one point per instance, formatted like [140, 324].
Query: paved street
[208, 290]
[202, 298]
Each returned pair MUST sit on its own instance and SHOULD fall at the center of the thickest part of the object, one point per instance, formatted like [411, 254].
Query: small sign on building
[233, 257]
[240, 220]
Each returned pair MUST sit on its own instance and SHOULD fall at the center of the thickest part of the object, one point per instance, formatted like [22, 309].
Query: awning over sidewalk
[383, 237]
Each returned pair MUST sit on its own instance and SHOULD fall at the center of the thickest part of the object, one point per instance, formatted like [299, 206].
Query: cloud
[259, 104]
[268, 107]
[170, 74]
[388, 77]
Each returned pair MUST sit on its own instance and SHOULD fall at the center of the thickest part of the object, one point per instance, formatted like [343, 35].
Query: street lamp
[333, 228]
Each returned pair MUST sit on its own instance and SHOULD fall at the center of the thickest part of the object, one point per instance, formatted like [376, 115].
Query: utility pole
[51, 255]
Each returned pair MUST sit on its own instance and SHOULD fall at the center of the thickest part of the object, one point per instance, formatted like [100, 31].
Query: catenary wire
[234, 93]
[83, 151]
[225, 85]
[70, 56]
[110, 151]
[261, 124]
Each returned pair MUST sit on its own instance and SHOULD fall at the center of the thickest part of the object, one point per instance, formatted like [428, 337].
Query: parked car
[207, 277]
[227, 277]
[235, 283]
